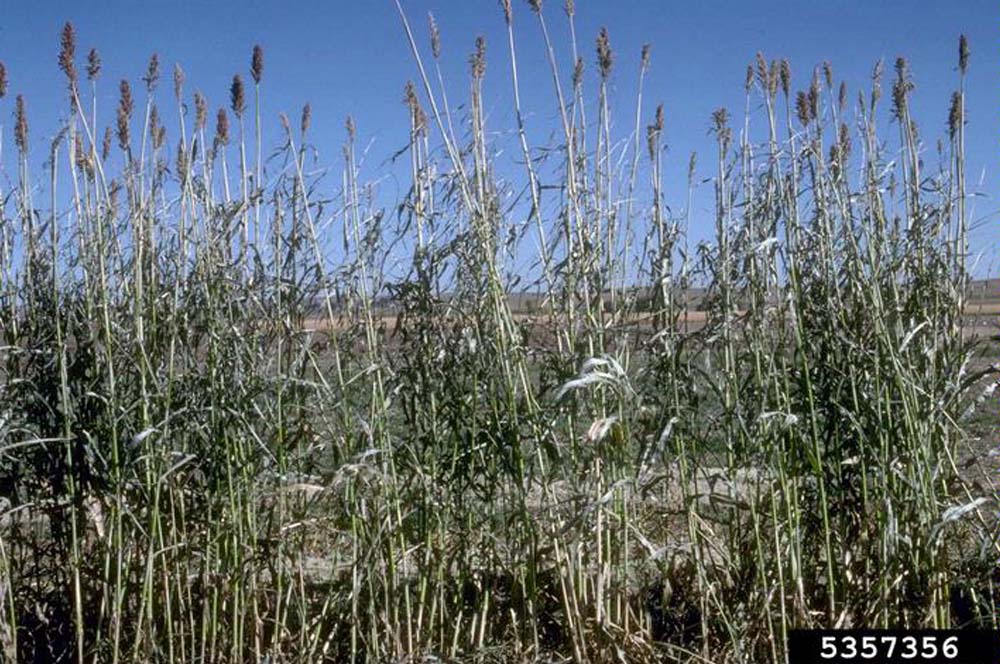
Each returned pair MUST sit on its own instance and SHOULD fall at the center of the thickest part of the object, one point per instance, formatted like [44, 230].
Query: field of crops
[221, 440]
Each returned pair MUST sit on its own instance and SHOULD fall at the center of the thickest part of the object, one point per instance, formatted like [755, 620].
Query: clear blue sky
[351, 57]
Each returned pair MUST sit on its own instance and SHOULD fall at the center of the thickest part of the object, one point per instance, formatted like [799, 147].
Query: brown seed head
[578, 73]
[478, 59]
[507, 11]
[418, 120]
[844, 141]
[644, 57]
[435, 36]
[178, 81]
[181, 163]
[762, 71]
[901, 88]
[785, 71]
[720, 125]
[123, 129]
[536, 5]
[877, 82]
[955, 114]
[257, 64]
[20, 125]
[814, 97]
[842, 97]
[125, 108]
[237, 100]
[125, 102]
[93, 65]
[152, 77]
[748, 80]
[605, 57]
[306, 118]
[828, 74]
[106, 144]
[351, 129]
[802, 108]
[963, 54]
[80, 157]
[67, 55]
[200, 111]
[772, 79]
[221, 128]
[570, 8]
[3, 80]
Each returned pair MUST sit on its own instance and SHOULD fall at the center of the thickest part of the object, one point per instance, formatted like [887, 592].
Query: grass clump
[231, 430]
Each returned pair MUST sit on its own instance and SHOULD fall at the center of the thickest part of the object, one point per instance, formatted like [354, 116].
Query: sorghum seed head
[418, 120]
[877, 82]
[67, 55]
[152, 76]
[123, 130]
[814, 98]
[93, 65]
[786, 77]
[955, 114]
[200, 111]
[901, 88]
[844, 141]
[963, 54]
[478, 59]
[605, 57]
[306, 118]
[221, 128]
[125, 102]
[720, 125]
[106, 144]
[20, 125]
[578, 73]
[237, 100]
[257, 64]
[772, 79]
[79, 156]
[653, 132]
[762, 71]
[178, 81]
[435, 36]
[802, 107]
[181, 163]
[154, 120]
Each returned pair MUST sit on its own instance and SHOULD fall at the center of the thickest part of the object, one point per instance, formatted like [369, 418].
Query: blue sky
[352, 57]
